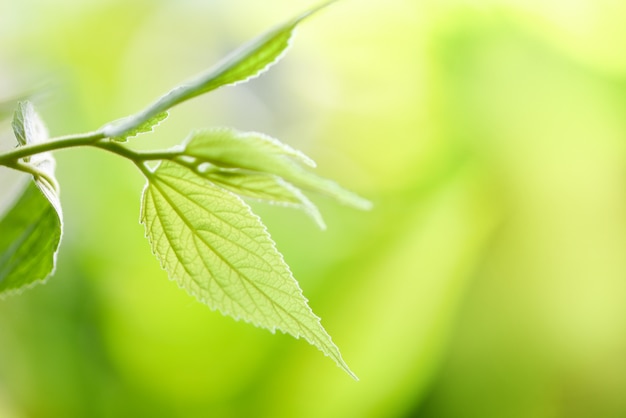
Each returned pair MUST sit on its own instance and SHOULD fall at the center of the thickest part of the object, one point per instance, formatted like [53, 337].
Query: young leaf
[29, 129]
[248, 61]
[145, 127]
[227, 147]
[210, 242]
[245, 63]
[27, 125]
[31, 230]
[264, 187]
[257, 152]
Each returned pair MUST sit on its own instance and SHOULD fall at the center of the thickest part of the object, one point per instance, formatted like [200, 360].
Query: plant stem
[137, 156]
[10, 158]
[35, 172]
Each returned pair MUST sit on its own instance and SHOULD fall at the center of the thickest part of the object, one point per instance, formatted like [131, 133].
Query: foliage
[202, 232]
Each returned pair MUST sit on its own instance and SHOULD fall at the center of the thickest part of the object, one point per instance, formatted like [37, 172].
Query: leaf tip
[313, 11]
[344, 366]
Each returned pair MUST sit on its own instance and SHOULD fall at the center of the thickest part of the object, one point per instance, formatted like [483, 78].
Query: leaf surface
[210, 242]
[253, 151]
[265, 188]
[27, 125]
[30, 232]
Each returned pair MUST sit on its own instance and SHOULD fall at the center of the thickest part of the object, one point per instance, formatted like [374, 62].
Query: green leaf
[27, 125]
[264, 187]
[31, 230]
[145, 127]
[247, 62]
[229, 148]
[29, 237]
[209, 241]
[29, 129]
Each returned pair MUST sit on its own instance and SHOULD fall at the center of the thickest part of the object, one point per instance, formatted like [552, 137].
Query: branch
[11, 158]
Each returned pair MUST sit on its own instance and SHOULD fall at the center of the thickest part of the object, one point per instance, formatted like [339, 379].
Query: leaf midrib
[188, 224]
[247, 279]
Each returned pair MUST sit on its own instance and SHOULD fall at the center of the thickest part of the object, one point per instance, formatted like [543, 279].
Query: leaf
[31, 231]
[230, 148]
[145, 127]
[260, 153]
[250, 60]
[247, 62]
[29, 237]
[27, 125]
[29, 129]
[209, 241]
[264, 187]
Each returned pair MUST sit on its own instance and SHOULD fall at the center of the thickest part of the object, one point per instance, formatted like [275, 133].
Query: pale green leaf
[245, 63]
[30, 232]
[227, 147]
[19, 127]
[145, 127]
[248, 61]
[210, 242]
[264, 187]
[29, 129]
[257, 152]
[27, 125]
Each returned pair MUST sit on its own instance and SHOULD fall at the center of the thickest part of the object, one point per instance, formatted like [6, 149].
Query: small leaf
[245, 63]
[230, 148]
[31, 230]
[145, 127]
[29, 129]
[257, 152]
[264, 187]
[210, 242]
[27, 125]
[250, 60]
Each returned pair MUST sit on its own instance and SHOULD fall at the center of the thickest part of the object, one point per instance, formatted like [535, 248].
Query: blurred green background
[489, 280]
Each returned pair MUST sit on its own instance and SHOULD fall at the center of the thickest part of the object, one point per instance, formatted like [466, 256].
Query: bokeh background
[489, 280]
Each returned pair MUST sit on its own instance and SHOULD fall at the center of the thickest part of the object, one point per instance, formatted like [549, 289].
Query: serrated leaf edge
[150, 126]
[338, 359]
[289, 151]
